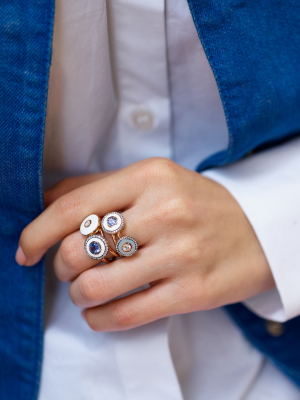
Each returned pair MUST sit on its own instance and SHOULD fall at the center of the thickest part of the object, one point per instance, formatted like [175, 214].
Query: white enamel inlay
[124, 240]
[102, 242]
[117, 227]
[87, 228]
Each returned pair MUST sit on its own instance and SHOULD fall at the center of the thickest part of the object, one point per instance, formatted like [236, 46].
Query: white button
[143, 120]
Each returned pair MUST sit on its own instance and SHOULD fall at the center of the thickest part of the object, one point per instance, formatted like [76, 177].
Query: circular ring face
[89, 224]
[126, 246]
[96, 247]
[112, 222]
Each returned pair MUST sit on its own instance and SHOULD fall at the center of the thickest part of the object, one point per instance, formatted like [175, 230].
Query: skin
[197, 249]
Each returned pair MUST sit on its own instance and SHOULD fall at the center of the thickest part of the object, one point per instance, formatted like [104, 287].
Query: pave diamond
[126, 247]
[112, 221]
[95, 247]
[87, 223]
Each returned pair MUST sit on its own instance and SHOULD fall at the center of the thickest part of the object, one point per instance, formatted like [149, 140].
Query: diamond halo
[126, 246]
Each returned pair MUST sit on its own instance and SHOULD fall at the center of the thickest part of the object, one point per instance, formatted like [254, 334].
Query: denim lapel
[25, 54]
[253, 50]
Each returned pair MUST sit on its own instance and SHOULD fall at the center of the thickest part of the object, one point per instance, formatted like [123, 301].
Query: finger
[137, 309]
[104, 283]
[64, 216]
[71, 259]
[67, 185]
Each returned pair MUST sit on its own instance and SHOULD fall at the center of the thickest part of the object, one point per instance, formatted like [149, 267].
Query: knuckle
[122, 317]
[177, 206]
[92, 322]
[70, 253]
[157, 168]
[176, 209]
[92, 287]
[182, 249]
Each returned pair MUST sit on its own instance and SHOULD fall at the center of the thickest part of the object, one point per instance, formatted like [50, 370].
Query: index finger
[64, 216]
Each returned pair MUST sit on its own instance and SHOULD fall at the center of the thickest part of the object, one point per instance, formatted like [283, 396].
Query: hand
[196, 247]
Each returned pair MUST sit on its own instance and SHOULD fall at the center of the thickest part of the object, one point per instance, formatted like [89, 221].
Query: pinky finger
[132, 311]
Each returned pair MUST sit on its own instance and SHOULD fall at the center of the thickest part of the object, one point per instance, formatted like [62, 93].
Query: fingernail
[83, 314]
[20, 256]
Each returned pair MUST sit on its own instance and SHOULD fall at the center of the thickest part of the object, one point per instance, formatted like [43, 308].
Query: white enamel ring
[89, 225]
[96, 247]
[112, 223]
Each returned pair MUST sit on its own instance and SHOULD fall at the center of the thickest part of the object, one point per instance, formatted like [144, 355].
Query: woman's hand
[196, 247]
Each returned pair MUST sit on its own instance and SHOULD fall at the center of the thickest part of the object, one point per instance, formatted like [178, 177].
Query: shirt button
[274, 328]
[143, 120]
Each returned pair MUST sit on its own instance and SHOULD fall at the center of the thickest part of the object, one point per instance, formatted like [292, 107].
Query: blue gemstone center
[95, 248]
[112, 221]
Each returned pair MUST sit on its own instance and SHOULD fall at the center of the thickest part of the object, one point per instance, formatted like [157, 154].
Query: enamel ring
[126, 246]
[90, 225]
[95, 246]
[113, 223]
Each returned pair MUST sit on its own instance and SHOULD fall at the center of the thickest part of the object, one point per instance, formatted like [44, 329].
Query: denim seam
[40, 325]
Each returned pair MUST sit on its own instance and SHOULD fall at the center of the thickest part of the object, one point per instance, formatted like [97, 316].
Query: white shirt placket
[140, 60]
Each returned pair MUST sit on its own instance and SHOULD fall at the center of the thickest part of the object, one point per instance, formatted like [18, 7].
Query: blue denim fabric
[284, 351]
[25, 38]
[253, 49]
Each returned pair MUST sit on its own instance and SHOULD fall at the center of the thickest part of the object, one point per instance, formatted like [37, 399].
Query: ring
[95, 246]
[113, 223]
[89, 225]
[126, 246]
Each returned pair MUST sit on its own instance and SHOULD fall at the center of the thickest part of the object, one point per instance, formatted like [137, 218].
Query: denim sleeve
[267, 187]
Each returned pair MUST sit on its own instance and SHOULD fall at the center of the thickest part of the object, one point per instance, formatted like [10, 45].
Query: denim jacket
[253, 49]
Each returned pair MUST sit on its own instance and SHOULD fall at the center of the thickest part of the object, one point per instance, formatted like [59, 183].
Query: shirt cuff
[267, 187]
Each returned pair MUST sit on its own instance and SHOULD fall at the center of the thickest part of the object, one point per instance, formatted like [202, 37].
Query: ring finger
[101, 284]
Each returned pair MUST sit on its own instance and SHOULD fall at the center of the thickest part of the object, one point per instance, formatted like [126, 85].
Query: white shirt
[130, 80]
